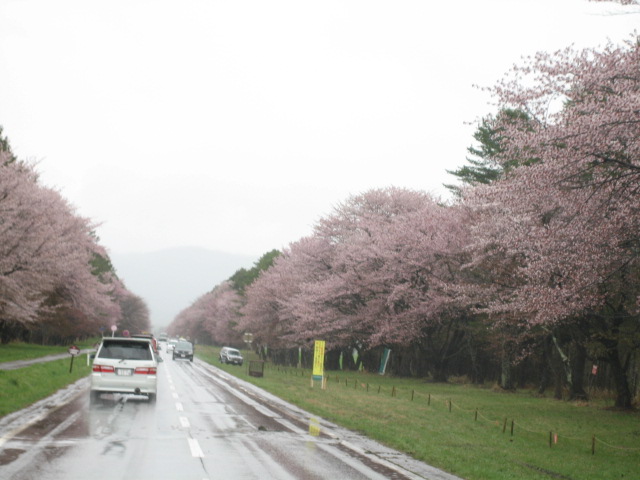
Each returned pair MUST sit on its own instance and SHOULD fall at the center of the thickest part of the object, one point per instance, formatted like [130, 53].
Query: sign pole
[73, 351]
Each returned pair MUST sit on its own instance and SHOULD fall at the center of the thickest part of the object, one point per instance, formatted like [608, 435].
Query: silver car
[231, 355]
[124, 365]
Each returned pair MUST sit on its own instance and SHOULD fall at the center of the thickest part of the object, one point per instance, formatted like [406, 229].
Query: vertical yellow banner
[318, 360]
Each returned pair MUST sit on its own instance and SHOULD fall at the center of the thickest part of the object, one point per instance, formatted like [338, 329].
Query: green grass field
[26, 351]
[20, 388]
[466, 430]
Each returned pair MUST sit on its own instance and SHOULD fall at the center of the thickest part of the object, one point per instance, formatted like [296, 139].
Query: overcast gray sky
[235, 125]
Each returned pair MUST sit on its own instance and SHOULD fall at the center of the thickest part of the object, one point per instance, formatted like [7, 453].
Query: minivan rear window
[125, 350]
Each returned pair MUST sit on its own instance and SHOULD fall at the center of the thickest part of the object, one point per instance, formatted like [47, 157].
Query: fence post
[593, 445]
[504, 426]
[476, 419]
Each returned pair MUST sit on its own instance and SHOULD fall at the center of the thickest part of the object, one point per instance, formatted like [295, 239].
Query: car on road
[171, 344]
[124, 365]
[183, 349]
[231, 355]
[150, 337]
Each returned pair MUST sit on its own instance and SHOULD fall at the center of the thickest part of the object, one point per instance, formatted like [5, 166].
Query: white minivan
[124, 365]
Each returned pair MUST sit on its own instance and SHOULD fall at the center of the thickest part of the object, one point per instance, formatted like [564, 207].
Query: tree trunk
[566, 362]
[623, 398]
[506, 375]
[576, 390]
[545, 367]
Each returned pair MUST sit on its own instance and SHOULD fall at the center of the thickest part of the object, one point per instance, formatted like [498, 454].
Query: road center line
[179, 407]
[194, 446]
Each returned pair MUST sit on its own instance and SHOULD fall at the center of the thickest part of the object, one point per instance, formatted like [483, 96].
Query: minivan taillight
[103, 369]
[145, 370]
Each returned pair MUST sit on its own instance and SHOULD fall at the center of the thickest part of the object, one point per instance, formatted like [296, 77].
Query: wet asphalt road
[205, 425]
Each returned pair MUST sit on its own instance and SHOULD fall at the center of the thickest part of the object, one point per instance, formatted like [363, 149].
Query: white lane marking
[175, 395]
[179, 407]
[194, 446]
[184, 421]
[16, 431]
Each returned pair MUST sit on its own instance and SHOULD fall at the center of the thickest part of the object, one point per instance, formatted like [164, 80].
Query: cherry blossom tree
[621, 2]
[45, 255]
[135, 313]
[377, 272]
[568, 223]
[212, 318]
[268, 313]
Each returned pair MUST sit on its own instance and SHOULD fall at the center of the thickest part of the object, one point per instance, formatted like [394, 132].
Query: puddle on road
[9, 455]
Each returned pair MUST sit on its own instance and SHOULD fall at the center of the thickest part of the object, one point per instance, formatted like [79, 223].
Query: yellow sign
[318, 360]
[314, 427]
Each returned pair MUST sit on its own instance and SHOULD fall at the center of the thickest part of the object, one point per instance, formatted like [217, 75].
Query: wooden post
[512, 428]
[449, 405]
[429, 400]
[476, 419]
[412, 393]
[550, 439]
[593, 445]
[504, 426]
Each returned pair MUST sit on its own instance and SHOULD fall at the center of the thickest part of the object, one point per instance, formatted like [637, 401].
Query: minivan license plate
[124, 371]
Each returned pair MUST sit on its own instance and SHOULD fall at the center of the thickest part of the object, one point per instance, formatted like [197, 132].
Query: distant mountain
[170, 280]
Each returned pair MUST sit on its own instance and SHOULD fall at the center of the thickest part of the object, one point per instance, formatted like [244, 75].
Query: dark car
[183, 350]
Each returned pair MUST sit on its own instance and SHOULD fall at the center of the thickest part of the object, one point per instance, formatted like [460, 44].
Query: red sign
[594, 370]
[73, 350]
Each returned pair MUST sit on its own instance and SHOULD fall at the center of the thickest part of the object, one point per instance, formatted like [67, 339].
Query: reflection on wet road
[204, 425]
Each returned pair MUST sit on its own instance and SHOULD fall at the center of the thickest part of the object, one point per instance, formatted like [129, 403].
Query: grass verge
[22, 387]
[475, 433]
[26, 351]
